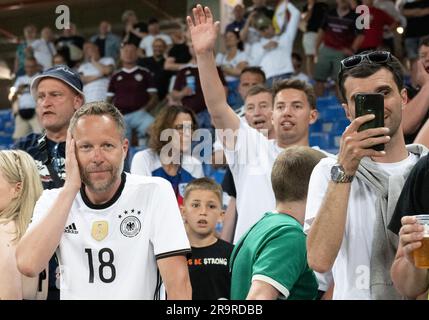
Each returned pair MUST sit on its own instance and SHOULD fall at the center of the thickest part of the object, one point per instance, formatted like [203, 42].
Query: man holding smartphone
[351, 199]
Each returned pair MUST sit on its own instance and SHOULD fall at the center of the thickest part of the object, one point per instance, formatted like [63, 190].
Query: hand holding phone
[370, 103]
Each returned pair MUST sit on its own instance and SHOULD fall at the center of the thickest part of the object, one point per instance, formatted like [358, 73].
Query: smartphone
[367, 103]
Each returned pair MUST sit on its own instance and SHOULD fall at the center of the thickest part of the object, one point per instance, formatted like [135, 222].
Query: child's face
[201, 211]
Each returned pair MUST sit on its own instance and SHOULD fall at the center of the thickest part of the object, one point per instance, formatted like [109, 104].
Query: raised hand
[203, 30]
[73, 179]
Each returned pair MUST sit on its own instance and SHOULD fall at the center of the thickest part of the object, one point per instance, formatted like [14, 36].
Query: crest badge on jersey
[130, 226]
[100, 230]
[182, 188]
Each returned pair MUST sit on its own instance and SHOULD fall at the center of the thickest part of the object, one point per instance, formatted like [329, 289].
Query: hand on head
[73, 179]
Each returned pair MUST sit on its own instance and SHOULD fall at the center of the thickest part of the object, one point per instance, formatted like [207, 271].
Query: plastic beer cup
[421, 255]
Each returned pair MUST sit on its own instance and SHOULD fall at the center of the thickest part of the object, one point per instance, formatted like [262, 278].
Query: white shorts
[309, 43]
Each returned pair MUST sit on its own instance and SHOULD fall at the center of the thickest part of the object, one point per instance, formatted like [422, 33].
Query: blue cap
[62, 73]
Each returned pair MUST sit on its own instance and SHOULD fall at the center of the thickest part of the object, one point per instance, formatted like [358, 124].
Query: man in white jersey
[116, 234]
[351, 199]
[249, 153]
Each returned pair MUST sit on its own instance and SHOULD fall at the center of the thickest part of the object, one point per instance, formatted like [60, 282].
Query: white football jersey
[109, 251]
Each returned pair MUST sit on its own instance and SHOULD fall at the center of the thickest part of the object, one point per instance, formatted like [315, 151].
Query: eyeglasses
[377, 57]
[186, 127]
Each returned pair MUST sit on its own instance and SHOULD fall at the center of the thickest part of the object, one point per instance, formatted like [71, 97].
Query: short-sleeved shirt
[316, 19]
[222, 61]
[209, 271]
[95, 90]
[374, 35]
[132, 38]
[160, 76]
[25, 100]
[110, 251]
[414, 198]
[196, 101]
[180, 53]
[130, 89]
[273, 251]
[43, 52]
[147, 42]
[340, 32]
[417, 26]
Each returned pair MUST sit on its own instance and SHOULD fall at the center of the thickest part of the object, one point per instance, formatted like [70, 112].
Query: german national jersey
[109, 251]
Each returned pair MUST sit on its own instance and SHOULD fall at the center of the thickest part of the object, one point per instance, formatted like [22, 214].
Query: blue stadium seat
[6, 140]
[324, 102]
[339, 126]
[7, 123]
[320, 139]
[332, 113]
[317, 126]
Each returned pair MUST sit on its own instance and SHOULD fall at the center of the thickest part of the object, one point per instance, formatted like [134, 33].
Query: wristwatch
[338, 174]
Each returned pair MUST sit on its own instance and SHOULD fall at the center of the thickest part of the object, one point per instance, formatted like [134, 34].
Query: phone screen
[371, 103]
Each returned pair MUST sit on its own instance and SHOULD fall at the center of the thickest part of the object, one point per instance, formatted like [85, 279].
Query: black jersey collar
[108, 203]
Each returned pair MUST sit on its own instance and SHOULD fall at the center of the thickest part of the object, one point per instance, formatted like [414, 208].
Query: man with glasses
[58, 94]
[351, 198]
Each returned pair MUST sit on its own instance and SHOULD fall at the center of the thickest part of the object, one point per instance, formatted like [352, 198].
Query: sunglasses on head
[377, 57]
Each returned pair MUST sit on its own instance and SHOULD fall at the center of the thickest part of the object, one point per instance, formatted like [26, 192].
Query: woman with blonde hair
[20, 187]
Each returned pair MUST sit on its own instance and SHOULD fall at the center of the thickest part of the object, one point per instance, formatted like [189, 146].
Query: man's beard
[101, 185]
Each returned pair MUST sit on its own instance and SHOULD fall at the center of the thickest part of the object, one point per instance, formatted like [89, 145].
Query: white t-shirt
[110, 251]
[221, 60]
[147, 41]
[352, 265]
[251, 163]
[44, 52]
[95, 90]
[278, 60]
[25, 100]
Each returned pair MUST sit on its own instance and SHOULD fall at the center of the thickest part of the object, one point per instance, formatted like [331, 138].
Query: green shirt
[273, 251]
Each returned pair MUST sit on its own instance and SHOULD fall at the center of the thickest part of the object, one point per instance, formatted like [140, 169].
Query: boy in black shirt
[209, 263]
